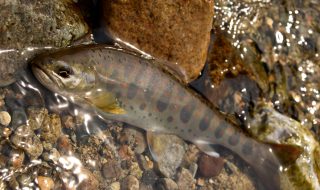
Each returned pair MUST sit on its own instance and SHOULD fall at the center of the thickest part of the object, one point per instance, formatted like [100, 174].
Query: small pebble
[25, 180]
[115, 186]
[5, 118]
[200, 182]
[16, 158]
[90, 182]
[45, 183]
[149, 177]
[63, 145]
[24, 138]
[50, 129]
[111, 170]
[5, 132]
[168, 152]
[185, 179]
[210, 166]
[130, 183]
[167, 184]
[68, 122]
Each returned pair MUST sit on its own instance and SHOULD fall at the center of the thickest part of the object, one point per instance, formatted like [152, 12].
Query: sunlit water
[286, 36]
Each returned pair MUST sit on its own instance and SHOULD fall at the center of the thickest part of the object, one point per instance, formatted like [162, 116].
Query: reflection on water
[282, 35]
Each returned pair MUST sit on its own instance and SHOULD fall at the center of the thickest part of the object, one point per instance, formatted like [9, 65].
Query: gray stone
[30, 27]
[130, 183]
[168, 152]
[185, 179]
[167, 184]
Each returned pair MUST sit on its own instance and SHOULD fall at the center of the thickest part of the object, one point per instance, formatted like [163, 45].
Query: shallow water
[283, 35]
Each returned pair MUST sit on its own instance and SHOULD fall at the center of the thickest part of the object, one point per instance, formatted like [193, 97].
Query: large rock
[29, 27]
[173, 31]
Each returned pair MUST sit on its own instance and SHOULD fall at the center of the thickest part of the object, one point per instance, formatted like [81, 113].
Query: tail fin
[263, 160]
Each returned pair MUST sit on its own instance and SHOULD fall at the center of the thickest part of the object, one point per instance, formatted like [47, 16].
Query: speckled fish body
[157, 102]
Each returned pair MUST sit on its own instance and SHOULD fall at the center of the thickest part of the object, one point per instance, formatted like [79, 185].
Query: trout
[123, 86]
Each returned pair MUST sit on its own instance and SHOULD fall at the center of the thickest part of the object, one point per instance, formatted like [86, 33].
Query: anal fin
[206, 148]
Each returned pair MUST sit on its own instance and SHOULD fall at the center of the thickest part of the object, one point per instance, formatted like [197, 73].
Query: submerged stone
[177, 32]
[30, 27]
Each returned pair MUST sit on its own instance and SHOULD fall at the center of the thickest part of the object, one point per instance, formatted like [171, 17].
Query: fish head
[62, 75]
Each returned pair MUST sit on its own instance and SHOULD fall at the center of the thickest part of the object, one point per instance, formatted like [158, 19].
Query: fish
[124, 86]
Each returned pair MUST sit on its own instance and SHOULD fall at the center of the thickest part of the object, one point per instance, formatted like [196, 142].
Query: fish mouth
[43, 76]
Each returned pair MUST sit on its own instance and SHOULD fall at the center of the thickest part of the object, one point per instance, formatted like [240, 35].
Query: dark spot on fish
[182, 130]
[170, 119]
[131, 107]
[186, 112]
[143, 117]
[150, 114]
[205, 122]
[161, 105]
[176, 127]
[247, 148]
[142, 106]
[219, 132]
[118, 94]
[189, 130]
[132, 91]
[234, 139]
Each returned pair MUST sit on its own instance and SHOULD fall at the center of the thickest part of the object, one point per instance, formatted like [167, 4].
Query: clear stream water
[285, 37]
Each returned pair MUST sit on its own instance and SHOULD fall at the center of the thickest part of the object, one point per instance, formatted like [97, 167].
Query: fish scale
[153, 100]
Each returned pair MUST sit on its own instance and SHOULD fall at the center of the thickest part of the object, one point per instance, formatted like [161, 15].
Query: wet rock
[111, 170]
[5, 118]
[19, 117]
[177, 32]
[3, 185]
[115, 186]
[231, 180]
[36, 117]
[168, 151]
[210, 166]
[68, 122]
[167, 184]
[134, 138]
[64, 145]
[29, 27]
[125, 152]
[51, 128]
[149, 177]
[185, 179]
[90, 182]
[24, 138]
[130, 183]
[16, 158]
[25, 180]
[53, 155]
[45, 183]
[135, 170]
[5, 132]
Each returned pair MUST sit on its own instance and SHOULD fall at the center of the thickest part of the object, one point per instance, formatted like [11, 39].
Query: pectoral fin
[106, 102]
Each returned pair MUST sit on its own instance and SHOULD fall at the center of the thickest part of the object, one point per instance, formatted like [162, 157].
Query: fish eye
[64, 72]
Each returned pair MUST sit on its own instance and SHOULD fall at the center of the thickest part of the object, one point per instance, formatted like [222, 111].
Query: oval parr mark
[186, 112]
[219, 132]
[205, 122]
[162, 105]
[132, 91]
[247, 148]
[234, 139]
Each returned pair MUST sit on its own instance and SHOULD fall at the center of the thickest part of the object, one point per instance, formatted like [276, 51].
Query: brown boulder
[177, 32]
